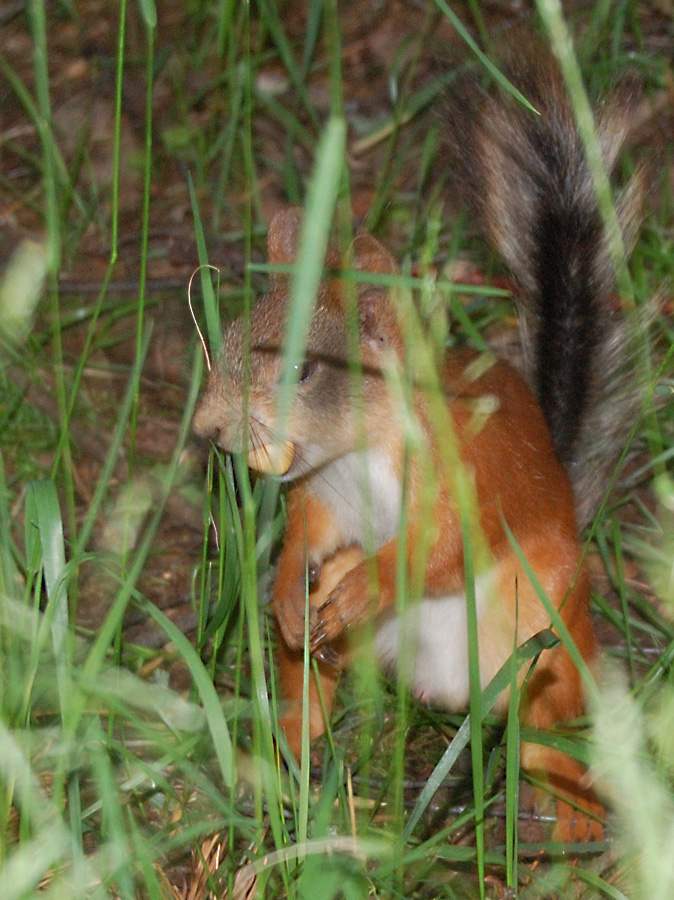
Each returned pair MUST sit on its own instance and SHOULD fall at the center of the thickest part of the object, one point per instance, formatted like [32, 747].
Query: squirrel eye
[306, 370]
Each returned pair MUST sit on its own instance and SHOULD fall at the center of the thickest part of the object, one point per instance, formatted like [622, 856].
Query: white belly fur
[428, 645]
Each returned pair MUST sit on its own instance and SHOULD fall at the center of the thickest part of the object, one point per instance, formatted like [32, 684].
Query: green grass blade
[209, 297]
[484, 60]
[560, 38]
[9, 573]
[217, 723]
[110, 627]
[512, 794]
[552, 611]
[321, 202]
[114, 449]
[273, 22]
[149, 12]
[475, 691]
[38, 23]
[45, 542]
[48, 842]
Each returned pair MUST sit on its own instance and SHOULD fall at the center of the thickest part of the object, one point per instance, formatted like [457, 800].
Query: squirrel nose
[204, 425]
[211, 433]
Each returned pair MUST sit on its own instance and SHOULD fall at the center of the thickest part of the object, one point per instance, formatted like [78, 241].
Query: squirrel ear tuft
[284, 235]
[370, 306]
[370, 255]
[377, 317]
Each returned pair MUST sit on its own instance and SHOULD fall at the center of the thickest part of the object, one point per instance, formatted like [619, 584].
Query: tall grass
[113, 784]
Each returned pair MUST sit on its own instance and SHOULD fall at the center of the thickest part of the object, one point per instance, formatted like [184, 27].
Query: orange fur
[508, 455]
[517, 479]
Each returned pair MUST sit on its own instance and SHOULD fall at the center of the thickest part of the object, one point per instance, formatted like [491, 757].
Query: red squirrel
[527, 443]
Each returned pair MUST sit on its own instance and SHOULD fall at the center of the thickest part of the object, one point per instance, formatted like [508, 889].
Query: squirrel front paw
[290, 596]
[346, 606]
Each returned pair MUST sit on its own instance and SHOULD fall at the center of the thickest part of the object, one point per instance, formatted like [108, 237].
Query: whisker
[194, 318]
[256, 441]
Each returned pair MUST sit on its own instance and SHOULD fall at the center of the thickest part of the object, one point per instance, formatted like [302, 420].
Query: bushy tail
[528, 180]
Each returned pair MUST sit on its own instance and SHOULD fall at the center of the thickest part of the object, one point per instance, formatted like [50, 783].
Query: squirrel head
[239, 408]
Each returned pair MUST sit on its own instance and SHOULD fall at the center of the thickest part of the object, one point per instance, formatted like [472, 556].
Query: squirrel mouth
[272, 458]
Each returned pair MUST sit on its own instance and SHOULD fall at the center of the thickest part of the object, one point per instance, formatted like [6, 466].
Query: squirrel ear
[370, 255]
[284, 235]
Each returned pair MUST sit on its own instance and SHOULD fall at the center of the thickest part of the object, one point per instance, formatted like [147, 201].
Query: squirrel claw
[321, 633]
[318, 639]
[327, 654]
[340, 611]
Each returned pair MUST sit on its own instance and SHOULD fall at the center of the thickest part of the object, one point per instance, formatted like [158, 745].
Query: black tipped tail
[527, 180]
[568, 332]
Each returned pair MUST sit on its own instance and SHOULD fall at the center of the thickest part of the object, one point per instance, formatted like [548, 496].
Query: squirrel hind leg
[291, 674]
[579, 812]
[555, 695]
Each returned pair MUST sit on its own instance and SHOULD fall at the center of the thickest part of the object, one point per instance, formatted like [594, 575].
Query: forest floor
[234, 102]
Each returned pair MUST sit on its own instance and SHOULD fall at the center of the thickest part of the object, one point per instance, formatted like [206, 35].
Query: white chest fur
[364, 491]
